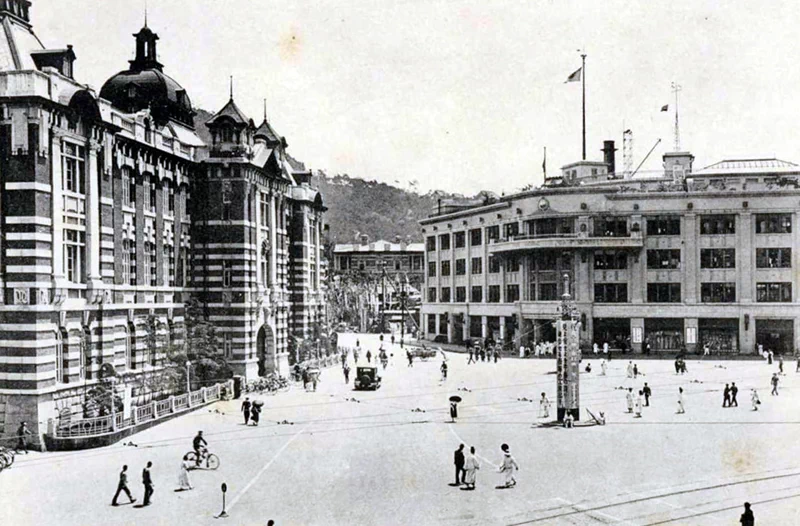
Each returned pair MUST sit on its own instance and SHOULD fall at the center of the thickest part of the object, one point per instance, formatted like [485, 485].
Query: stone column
[690, 258]
[744, 258]
[503, 328]
[93, 216]
[259, 241]
[484, 326]
[436, 321]
[450, 327]
[465, 328]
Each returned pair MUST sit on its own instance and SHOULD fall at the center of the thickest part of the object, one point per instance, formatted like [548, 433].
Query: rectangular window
[475, 237]
[132, 259]
[445, 268]
[430, 243]
[74, 168]
[417, 262]
[476, 294]
[494, 264]
[432, 295]
[773, 223]
[461, 267]
[227, 346]
[264, 209]
[610, 260]
[510, 230]
[74, 255]
[663, 292]
[126, 262]
[664, 259]
[494, 294]
[431, 323]
[664, 226]
[718, 292]
[431, 269]
[718, 258]
[477, 265]
[610, 227]
[774, 292]
[548, 292]
[773, 257]
[150, 268]
[461, 294]
[460, 239]
[492, 233]
[445, 297]
[444, 242]
[170, 199]
[512, 293]
[611, 292]
[715, 225]
[512, 263]
[227, 271]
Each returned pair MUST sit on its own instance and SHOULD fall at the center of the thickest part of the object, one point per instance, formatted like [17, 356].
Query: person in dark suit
[458, 460]
[148, 484]
[122, 485]
[747, 518]
[734, 392]
[246, 410]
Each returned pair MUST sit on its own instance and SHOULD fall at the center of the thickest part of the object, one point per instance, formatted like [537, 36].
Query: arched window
[60, 376]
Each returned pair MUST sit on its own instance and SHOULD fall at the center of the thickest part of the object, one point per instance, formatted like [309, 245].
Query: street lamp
[188, 384]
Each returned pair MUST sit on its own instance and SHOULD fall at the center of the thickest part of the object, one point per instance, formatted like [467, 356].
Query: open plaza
[385, 457]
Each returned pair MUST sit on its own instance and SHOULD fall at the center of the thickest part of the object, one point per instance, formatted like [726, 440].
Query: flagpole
[583, 80]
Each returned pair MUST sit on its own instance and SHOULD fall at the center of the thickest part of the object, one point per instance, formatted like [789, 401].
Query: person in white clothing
[471, 467]
[639, 405]
[754, 399]
[681, 409]
[630, 369]
[603, 366]
[629, 399]
[544, 407]
[595, 348]
[605, 349]
[508, 466]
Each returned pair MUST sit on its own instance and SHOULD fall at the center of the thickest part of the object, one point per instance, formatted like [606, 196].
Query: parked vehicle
[367, 378]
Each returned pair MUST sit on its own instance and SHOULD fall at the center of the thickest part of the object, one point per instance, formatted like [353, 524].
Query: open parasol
[455, 398]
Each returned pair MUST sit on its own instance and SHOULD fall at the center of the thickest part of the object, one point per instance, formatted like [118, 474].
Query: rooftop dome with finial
[144, 85]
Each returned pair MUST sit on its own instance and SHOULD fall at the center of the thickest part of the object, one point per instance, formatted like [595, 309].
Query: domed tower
[144, 85]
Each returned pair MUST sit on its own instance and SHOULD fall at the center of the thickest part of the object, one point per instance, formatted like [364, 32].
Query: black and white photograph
[399, 263]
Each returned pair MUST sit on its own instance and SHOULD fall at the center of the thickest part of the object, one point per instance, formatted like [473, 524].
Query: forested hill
[381, 211]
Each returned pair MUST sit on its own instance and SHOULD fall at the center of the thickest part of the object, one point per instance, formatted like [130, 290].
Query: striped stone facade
[109, 216]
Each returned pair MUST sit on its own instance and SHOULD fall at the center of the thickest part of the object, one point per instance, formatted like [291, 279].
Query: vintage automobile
[367, 378]
[423, 353]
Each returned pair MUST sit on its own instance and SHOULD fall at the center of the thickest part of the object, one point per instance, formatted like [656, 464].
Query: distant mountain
[379, 210]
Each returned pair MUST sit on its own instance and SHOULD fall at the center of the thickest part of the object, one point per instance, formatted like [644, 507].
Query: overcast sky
[463, 95]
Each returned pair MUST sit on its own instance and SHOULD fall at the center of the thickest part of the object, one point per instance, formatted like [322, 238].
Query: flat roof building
[685, 258]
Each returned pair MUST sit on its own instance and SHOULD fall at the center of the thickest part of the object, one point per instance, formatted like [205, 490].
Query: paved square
[385, 457]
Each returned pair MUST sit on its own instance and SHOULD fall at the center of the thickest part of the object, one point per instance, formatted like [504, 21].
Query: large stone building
[114, 211]
[681, 258]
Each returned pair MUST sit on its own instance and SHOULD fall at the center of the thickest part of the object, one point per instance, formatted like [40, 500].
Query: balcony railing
[564, 241]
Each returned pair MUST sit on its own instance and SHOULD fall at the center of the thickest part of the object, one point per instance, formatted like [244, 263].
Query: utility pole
[675, 89]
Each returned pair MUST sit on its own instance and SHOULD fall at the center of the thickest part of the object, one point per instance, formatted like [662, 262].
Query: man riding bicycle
[199, 444]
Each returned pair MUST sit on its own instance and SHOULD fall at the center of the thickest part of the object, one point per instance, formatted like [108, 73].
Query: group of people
[538, 349]
[251, 411]
[147, 482]
[467, 466]
[483, 354]
[635, 405]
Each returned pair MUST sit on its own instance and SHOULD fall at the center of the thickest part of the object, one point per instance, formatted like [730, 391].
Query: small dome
[144, 85]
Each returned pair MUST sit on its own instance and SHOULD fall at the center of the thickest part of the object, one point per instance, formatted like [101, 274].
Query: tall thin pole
[675, 89]
[583, 80]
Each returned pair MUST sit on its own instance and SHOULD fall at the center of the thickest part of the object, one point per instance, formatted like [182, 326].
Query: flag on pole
[665, 107]
[575, 77]
[544, 163]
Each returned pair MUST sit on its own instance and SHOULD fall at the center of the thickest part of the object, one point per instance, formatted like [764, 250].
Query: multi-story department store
[684, 258]
[114, 209]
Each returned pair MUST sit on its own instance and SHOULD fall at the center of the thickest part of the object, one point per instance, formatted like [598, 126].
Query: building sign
[636, 335]
[691, 335]
[568, 368]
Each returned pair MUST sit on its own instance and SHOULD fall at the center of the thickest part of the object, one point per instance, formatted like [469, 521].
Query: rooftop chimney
[609, 157]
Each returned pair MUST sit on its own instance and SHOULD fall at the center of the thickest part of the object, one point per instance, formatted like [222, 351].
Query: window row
[476, 294]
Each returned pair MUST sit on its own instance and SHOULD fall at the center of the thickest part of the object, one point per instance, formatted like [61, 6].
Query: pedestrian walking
[630, 369]
[638, 406]
[147, 481]
[392, 339]
[22, 433]
[369, 356]
[754, 399]
[306, 379]
[410, 358]
[246, 405]
[458, 460]
[358, 343]
[471, 467]
[629, 399]
[444, 371]
[346, 371]
[544, 407]
[647, 394]
[635, 371]
[603, 367]
[605, 350]
[681, 409]
[595, 348]
[255, 414]
[471, 358]
[507, 467]
[184, 483]
[314, 379]
[797, 367]
[122, 487]
[780, 364]
[774, 383]
[769, 357]
[734, 392]
[496, 355]
[453, 410]
[747, 518]
[726, 396]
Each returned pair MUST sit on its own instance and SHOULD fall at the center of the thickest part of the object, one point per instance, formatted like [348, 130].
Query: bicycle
[6, 457]
[211, 460]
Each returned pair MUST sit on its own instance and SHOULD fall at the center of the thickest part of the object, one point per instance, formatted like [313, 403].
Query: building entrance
[614, 331]
[664, 334]
[775, 335]
[265, 350]
[720, 334]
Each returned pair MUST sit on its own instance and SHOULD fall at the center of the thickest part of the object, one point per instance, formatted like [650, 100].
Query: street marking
[450, 427]
[266, 467]
[590, 513]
